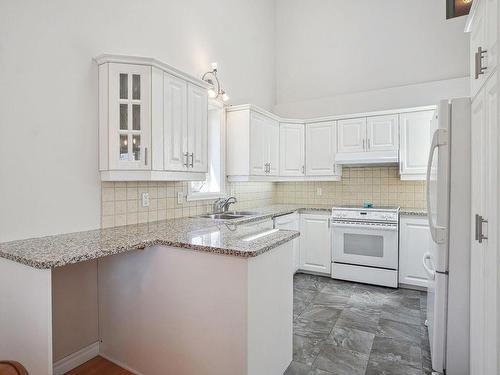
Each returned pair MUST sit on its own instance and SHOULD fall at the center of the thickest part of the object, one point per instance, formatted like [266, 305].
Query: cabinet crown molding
[149, 61]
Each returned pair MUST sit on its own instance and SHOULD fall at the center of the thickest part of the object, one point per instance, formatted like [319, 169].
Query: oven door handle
[364, 226]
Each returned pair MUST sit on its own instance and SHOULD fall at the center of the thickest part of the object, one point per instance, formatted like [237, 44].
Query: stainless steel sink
[224, 216]
[243, 213]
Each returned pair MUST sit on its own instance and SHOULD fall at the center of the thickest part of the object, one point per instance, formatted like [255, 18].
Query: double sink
[229, 215]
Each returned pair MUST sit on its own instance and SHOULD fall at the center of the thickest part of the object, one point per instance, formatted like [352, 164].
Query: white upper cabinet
[197, 120]
[292, 149]
[415, 141]
[352, 135]
[382, 133]
[321, 146]
[152, 121]
[129, 112]
[252, 145]
[368, 140]
[483, 42]
[175, 123]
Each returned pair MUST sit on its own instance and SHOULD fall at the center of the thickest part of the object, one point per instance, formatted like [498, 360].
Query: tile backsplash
[378, 185]
[121, 201]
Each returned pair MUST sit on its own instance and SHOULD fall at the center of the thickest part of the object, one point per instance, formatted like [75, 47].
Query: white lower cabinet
[414, 242]
[315, 243]
[291, 222]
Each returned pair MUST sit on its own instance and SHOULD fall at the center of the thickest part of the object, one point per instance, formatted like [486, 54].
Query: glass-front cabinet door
[129, 116]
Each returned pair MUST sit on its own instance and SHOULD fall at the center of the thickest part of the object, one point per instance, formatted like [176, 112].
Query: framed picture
[457, 8]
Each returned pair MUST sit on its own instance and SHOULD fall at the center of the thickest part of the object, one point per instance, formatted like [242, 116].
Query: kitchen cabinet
[483, 42]
[415, 140]
[315, 243]
[414, 243]
[321, 147]
[292, 149]
[291, 222]
[368, 140]
[253, 139]
[153, 121]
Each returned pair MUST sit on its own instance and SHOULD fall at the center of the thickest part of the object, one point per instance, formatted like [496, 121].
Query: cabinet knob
[186, 164]
[479, 56]
[192, 160]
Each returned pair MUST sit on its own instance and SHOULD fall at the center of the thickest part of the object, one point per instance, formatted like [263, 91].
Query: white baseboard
[76, 359]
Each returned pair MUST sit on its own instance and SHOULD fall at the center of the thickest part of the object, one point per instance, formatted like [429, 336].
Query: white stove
[365, 245]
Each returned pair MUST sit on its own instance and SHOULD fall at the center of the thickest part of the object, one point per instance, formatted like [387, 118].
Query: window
[214, 185]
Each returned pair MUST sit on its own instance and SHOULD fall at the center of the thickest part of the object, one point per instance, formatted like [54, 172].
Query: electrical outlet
[319, 191]
[180, 197]
[145, 199]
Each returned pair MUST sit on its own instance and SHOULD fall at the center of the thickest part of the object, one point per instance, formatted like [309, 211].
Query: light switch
[319, 191]
[145, 199]
[180, 197]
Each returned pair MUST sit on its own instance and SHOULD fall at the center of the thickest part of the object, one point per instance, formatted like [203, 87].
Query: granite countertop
[413, 212]
[227, 237]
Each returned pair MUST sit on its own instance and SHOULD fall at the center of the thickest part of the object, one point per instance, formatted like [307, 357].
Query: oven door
[366, 244]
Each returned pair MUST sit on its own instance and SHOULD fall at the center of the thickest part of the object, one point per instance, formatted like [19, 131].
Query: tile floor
[346, 328]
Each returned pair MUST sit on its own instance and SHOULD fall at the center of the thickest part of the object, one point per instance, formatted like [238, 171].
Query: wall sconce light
[216, 91]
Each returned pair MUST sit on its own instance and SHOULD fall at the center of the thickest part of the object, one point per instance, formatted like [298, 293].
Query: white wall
[48, 99]
[330, 50]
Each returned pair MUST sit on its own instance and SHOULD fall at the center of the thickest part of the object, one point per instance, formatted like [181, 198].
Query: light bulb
[214, 66]
[211, 93]
[225, 97]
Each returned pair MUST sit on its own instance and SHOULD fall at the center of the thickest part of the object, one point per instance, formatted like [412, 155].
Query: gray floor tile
[331, 299]
[401, 314]
[387, 349]
[351, 339]
[399, 331]
[341, 361]
[321, 313]
[390, 368]
[318, 330]
[305, 350]
[340, 326]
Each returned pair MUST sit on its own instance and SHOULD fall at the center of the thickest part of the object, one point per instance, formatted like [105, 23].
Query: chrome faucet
[222, 205]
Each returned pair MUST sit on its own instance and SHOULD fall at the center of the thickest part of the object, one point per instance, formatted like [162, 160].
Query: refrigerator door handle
[430, 273]
[438, 233]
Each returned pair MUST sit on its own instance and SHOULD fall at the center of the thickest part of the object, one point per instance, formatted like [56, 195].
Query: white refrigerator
[448, 261]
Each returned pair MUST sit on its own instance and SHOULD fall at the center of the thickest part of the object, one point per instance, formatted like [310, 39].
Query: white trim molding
[76, 359]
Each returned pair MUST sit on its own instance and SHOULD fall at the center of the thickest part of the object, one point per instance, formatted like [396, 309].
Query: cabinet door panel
[175, 123]
[415, 140]
[292, 149]
[415, 238]
[257, 144]
[291, 222]
[382, 133]
[272, 144]
[315, 243]
[477, 39]
[320, 148]
[197, 128]
[352, 135]
[129, 117]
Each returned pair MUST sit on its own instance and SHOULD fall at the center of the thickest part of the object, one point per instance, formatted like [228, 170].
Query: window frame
[214, 104]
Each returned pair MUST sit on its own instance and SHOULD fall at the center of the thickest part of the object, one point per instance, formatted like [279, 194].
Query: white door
[129, 117]
[292, 148]
[320, 148]
[382, 133]
[175, 123]
[197, 128]
[484, 260]
[257, 145]
[315, 243]
[415, 139]
[414, 240]
[290, 222]
[272, 147]
[352, 135]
